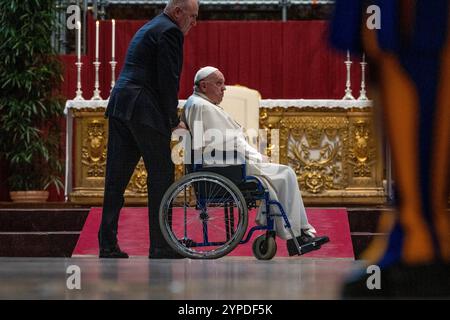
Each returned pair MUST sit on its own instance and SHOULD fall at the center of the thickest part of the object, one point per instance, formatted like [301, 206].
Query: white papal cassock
[207, 122]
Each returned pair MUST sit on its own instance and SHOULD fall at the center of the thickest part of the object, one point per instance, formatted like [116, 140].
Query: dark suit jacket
[147, 88]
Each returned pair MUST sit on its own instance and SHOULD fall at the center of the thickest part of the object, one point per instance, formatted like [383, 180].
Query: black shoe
[307, 244]
[114, 253]
[164, 253]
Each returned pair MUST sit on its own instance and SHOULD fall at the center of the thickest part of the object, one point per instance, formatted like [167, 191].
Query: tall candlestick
[96, 95]
[113, 39]
[97, 27]
[79, 93]
[96, 63]
[79, 40]
[113, 73]
[362, 92]
[348, 90]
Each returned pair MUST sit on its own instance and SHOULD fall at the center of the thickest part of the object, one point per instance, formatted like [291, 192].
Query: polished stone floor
[229, 278]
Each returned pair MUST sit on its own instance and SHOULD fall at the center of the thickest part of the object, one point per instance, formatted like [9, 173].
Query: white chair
[243, 105]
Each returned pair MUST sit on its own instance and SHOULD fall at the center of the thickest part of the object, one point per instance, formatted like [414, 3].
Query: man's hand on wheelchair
[181, 125]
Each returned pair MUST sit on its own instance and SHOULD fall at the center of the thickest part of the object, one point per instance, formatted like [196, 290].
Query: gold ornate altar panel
[335, 152]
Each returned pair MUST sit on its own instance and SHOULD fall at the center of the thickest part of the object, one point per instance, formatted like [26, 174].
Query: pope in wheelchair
[205, 213]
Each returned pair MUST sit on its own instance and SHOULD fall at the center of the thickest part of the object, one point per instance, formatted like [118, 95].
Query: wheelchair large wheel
[264, 247]
[203, 216]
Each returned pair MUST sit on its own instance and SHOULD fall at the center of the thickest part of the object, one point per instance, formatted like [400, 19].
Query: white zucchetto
[203, 73]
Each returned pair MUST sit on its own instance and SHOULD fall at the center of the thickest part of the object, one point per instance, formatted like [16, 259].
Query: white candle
[97, 26]
[364, 57]
[79, 40]
[348, 55]
[113, 39]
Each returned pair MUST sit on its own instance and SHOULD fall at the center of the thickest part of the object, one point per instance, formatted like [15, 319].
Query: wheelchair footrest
[309, 247]
[305, 248]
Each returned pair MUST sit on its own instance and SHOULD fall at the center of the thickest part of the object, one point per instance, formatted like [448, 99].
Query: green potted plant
[30, 107]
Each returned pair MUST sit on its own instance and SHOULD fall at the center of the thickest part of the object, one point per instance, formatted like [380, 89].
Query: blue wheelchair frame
[262, 194]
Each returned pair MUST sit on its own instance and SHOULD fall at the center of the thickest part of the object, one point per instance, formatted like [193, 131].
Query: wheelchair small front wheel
[264, 247]
[203, 216]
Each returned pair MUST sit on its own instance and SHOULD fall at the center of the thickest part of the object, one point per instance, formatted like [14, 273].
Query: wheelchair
[204, 215]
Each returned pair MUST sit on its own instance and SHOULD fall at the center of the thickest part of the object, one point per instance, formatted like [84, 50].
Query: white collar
[203, 96]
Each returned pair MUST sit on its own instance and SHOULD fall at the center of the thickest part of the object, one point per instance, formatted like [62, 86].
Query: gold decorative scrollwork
[362, 152]
[138, 181]
[319, 173]
[269, 122]
[93, 151]
[315, 151]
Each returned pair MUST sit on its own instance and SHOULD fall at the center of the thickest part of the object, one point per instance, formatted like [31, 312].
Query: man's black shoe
[114, 253]
[164, 253]
[307, 244]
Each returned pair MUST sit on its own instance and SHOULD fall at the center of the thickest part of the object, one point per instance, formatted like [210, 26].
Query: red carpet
[133, 234]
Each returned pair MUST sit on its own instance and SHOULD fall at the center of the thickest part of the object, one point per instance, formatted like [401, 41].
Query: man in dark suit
[142, 112]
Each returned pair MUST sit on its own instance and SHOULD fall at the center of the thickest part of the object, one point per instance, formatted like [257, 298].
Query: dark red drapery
[282, 60]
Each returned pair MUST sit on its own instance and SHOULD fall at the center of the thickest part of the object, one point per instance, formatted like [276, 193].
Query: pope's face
[213, 86]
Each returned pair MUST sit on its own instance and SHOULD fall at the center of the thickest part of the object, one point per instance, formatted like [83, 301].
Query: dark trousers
[127, 142]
